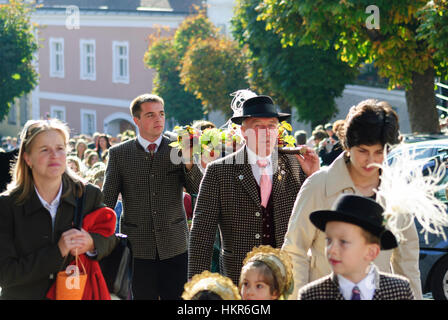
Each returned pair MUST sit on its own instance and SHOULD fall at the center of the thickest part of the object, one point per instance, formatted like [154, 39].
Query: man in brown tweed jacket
[230, 193]
[151, 185]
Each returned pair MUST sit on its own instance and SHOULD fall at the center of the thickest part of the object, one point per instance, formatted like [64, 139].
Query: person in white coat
[369, 127]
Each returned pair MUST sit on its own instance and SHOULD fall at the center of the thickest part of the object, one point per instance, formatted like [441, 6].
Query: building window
[57, 57]
[88, 121]
[120, 68]
[58, 112]
[88, 61]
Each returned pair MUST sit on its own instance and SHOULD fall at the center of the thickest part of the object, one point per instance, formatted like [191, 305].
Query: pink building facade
[91, 65]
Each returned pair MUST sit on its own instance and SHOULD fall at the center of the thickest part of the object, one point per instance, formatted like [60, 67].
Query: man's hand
[309, 161]
[189, 142]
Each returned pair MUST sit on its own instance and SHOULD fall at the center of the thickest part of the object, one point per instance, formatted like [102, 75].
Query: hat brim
[320, 219]
[280, 116]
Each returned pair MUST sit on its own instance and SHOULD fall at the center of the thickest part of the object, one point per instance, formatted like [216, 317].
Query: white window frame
[83, 56]
[54, 109]
[53, 72]
[116, 78]
[84, 128]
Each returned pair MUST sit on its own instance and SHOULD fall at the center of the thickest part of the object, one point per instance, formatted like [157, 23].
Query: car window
[422, 153]
[441, 194]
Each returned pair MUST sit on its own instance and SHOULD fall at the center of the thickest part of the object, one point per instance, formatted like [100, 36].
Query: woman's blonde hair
[22, 177]
[78, 143]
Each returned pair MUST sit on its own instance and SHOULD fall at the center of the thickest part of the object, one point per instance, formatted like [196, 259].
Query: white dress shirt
[53, 206]
[252, 158]
[145, 143]
[366, 286]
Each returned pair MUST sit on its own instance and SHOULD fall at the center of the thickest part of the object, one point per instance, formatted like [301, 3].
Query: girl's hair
[266, 273]
[22, 178]
[206, 295]
[370, 122]
[89, 158]
[79, 142]
[75, 160]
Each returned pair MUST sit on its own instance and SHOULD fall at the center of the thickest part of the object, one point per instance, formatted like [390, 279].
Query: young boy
[355, 234]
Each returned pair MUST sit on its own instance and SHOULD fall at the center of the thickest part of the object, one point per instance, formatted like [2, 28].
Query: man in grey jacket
[151, 185]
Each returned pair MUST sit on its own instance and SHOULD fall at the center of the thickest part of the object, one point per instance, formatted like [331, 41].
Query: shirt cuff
[92, 254]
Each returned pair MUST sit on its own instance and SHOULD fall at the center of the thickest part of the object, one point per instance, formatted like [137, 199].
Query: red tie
[265, 183]
[151, 148]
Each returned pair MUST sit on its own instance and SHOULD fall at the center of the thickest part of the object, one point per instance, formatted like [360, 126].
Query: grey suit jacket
[229, 200]
[152, 193]
[388, 287]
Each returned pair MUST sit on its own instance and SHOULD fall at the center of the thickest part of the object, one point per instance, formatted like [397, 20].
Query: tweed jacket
[229, 200]
[387, 287]
[29, 252]
[318, 193]
[153, 216]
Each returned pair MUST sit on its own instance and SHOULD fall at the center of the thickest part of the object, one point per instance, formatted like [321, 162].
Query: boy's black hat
[361, 211]
[260, 107]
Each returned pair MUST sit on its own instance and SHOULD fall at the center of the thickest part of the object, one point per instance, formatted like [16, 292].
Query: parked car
[433, 260]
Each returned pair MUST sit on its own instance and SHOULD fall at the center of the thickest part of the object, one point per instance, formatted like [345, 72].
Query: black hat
[363, 212]
[260, 107]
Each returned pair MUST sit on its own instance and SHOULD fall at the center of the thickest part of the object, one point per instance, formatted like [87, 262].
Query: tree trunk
[421, 103]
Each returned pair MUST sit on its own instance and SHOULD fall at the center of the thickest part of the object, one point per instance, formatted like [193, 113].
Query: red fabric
[187, 206]
[101, 221]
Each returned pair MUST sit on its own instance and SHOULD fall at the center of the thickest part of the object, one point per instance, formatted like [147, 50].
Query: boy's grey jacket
[388, 287]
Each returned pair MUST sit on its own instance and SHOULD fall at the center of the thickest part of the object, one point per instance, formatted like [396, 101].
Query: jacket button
[257, 236]
[257, 214]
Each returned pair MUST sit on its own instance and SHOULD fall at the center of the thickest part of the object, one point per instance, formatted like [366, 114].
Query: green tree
[307, 78]
[212, 69]
[404, 43]
[179, 104]
[17, 43]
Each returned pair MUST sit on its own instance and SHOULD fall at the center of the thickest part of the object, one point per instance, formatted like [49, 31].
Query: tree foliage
[197, 69]
[212, 69]
[18, 44]
[407, 47]
[308, 78]
[179, 104]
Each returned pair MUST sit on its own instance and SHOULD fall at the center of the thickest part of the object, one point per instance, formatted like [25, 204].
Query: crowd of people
[266, 222]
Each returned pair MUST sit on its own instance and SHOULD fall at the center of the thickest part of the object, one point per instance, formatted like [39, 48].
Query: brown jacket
[152, 191]
[229, 200]
[29, 254]
[306, 244]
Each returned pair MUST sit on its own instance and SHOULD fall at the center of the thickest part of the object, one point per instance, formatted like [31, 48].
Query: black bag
[117, 268]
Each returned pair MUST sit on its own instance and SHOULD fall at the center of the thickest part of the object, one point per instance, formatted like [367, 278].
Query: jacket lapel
[377, 295]
[338, 178]
[244, 175]
[279, 173]
[336, 293]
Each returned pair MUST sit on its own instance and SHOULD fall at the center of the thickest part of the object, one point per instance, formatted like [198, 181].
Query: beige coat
[306, 244]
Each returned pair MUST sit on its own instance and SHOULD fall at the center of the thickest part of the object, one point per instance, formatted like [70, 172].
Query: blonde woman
[36, 219]
[80, 148]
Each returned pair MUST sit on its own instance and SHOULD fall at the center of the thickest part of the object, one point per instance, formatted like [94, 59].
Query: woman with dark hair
[102, 144]
[37, 232]
[370, 127]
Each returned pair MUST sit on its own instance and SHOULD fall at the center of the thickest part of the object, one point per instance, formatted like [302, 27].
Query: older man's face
[260, 134]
